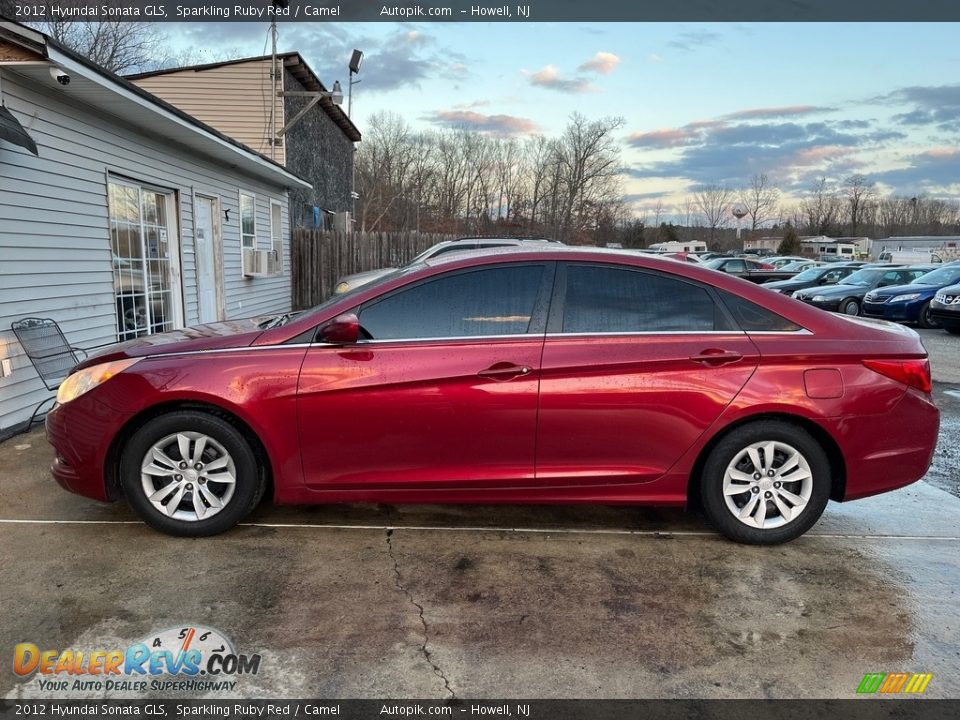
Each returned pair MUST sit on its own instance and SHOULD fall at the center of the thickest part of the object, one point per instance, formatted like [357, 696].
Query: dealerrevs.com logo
[893, 683]
[174, 659]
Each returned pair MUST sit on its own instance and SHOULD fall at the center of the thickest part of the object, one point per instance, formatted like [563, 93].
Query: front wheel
[850, 307]
[765, 483]
[191, 474]
[925, 319]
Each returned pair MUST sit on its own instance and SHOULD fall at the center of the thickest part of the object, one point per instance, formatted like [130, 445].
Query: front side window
[492, 301]
[615, 300]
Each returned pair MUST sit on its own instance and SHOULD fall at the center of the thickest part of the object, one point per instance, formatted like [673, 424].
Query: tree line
[459, 180]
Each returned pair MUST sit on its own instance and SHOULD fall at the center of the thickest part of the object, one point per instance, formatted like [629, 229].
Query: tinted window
[604, 299]
[752, 317]
[735, 266]
[495, 301]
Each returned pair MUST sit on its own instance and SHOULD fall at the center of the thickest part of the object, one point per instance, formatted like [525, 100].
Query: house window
[276, 235]
[248, 221]
[144, 257]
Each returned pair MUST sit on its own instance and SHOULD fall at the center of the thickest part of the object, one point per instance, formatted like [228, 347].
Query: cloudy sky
[702, 103]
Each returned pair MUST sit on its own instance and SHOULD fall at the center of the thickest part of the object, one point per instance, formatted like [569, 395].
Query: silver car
[350, 282]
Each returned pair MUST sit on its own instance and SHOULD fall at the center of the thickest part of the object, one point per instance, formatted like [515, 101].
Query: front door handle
[717, 356]
[504, 371]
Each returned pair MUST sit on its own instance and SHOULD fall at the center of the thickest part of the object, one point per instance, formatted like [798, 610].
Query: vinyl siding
[234, 99]
[54, 230]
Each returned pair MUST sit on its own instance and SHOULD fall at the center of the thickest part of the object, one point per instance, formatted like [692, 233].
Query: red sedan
[549, 376]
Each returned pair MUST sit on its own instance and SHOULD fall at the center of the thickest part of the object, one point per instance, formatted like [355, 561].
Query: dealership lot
[427, 601]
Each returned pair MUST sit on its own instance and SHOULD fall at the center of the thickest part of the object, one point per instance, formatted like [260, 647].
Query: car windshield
[716, 263]
[793, 265]
[940, 276]
[864, 277]
[809, 274]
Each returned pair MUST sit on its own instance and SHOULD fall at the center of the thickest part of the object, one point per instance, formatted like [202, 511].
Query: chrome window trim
[631, 333]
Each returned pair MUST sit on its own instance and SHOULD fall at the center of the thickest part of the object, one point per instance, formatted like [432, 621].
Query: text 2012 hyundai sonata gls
[550, 376]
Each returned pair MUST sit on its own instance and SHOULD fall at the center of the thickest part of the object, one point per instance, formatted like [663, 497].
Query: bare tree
[120, 47]
[821, 209]
[588, 158]
[713, 201]
[760, 200]
[859, 193]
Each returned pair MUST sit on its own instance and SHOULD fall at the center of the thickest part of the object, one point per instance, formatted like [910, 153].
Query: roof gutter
[267, 169]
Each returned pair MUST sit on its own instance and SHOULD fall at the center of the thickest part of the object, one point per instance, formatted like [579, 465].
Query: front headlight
[819, 298]
[904, 298]
[85, 380]
[341, 288]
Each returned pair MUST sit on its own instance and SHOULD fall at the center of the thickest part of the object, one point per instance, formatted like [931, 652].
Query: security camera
[60, 75]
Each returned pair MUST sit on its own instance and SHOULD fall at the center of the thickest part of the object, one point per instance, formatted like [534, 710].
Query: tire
[850, 307]
[924, 318]
[723, 504]
[196, 491]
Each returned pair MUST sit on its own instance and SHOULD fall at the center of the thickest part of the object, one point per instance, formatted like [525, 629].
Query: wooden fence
[319, 258]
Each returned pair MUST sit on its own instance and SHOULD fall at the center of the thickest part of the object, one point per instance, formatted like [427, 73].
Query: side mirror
[342, 330]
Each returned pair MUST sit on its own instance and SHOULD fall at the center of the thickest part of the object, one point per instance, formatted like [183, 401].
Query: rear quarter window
[753, 318]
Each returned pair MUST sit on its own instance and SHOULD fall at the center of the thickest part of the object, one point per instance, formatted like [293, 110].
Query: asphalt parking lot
[435, 602]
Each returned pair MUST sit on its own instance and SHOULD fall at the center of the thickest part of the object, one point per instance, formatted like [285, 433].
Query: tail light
[915, 373]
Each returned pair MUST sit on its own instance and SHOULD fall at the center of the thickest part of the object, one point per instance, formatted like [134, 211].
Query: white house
[132, 218]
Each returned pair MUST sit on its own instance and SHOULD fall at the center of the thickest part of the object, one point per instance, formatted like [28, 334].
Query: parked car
[812, 277]
[351, 282]
[945, 309]
[907, 257]
[752, 270]
[799, 265]
[847, 296]
[912, 302]
[558, 376]
[781, 260]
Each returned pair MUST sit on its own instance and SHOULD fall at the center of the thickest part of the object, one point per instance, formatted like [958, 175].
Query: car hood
[212, 336]
[787, 284]
[891, 290]
[836, 290]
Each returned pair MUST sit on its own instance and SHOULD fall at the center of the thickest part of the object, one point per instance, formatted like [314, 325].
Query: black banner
[476, 11]
[858, 709]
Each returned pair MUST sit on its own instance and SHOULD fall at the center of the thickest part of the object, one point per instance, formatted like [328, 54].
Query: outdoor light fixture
[337, 94]
[355, 61]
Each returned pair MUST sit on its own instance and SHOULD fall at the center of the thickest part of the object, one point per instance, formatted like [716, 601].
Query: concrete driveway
[434, 602]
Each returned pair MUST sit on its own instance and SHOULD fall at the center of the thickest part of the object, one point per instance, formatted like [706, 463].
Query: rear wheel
[925, 319]
[765, 483]
[190, 473]
[850, 307]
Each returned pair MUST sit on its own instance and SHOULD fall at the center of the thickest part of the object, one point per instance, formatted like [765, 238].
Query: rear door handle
[716, 356]
[504, 371]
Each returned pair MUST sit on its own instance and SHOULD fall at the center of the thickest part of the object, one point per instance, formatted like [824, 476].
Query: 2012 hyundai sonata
[549, 376]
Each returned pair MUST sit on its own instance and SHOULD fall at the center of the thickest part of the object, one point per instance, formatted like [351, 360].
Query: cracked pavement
[423, 621]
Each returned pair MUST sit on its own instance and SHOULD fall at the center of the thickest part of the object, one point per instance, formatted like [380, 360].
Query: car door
[636, 365]
[443, 392]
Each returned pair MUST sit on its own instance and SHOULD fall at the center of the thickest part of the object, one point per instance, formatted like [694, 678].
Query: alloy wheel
[188, 476]
[767, 484]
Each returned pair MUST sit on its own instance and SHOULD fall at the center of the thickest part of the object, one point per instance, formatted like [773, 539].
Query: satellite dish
[739, 211]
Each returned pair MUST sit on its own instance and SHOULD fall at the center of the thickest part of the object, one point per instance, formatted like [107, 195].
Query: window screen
[605, 299]
[494, 301]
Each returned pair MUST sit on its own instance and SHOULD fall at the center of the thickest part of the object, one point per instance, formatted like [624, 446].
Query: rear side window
[494, 301]
[753, 318]
[605, 299]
